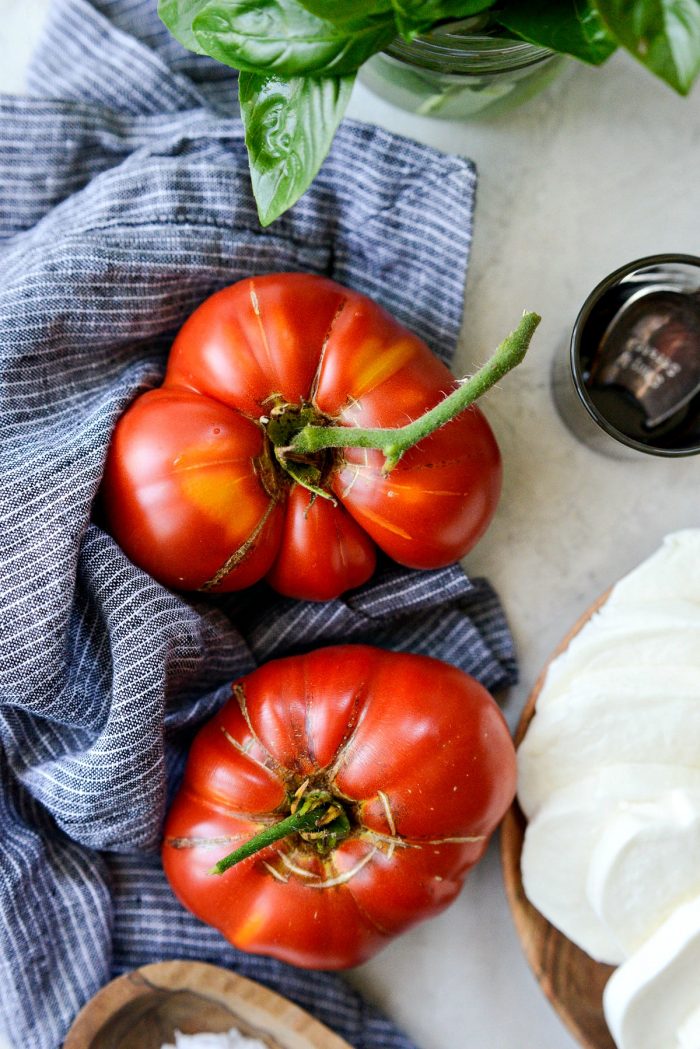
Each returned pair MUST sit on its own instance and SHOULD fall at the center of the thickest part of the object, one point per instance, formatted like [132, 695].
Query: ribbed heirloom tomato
[376, 779]
[208, 486]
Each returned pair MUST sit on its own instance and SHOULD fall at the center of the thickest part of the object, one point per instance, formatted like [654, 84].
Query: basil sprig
[289, 127]
[663, 34]
[282, 38]
[298, 59]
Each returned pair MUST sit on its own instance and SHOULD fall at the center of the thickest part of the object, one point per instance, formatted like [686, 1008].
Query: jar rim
[449, 44]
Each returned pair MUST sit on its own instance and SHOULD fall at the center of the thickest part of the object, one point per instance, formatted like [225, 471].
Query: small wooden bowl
[142, 1009]
[572, 981]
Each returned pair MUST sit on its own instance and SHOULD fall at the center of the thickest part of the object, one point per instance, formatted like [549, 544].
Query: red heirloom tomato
[375, 778]
[205, 486]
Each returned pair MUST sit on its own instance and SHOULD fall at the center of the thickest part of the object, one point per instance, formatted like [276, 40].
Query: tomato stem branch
[395, 442]
[311, 816]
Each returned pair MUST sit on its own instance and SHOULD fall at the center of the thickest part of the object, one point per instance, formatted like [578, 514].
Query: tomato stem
[317, 815]
[395, 442]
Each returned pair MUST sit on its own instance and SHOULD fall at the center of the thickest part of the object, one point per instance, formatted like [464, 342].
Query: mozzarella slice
[561, 838]
[645, 863]
[663, 611]
[609, 776]
[688, 1034]
[656, 679]
[652, 617]
[652, 1001]
[673, 571]
[626, 642]
[591, 728]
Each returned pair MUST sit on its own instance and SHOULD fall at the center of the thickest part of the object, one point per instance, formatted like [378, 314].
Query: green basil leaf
[418, 16]
[431, 11]
[664, 35]
[572, 28]
[282, 38]
[436, 10]
[178, 16]
[347, 10]
[289, 127]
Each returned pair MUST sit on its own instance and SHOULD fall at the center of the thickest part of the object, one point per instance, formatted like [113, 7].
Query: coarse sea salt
[232, 1039]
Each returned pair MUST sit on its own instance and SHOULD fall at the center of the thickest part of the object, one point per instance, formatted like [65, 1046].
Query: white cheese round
[627, 641]
[645, 863]
[652, 1001]
[592, 727]
[609, 777]
[673, 571]
[562, 838]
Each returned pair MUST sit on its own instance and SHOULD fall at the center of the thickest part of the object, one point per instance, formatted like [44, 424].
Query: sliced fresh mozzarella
[656, 679]
[590, 728]
[645, 863]
[673, 571]
[652, 617]
[689, 1032]
[664, 611]
[652, 1001]
[561, 838]
[628, 642]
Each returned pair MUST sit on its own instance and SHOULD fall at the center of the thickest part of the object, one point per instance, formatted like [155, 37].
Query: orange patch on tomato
[374, 363]
[247, 932]
[382, 522]
[219, 493]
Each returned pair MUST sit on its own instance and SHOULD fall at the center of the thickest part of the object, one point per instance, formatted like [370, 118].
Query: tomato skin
[295, 339]
[322, 550]
[168, 490]
[416, 751]
[421, 512]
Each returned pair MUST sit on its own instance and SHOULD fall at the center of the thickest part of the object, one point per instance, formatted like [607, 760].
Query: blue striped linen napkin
[124, 202]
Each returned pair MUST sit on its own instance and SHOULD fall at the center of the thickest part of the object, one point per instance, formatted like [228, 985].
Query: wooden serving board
[142, 1009]
[572, 981]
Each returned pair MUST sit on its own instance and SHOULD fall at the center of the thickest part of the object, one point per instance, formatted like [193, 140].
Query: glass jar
[459, 71]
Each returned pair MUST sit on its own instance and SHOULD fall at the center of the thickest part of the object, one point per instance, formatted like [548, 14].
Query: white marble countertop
[600, 170]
